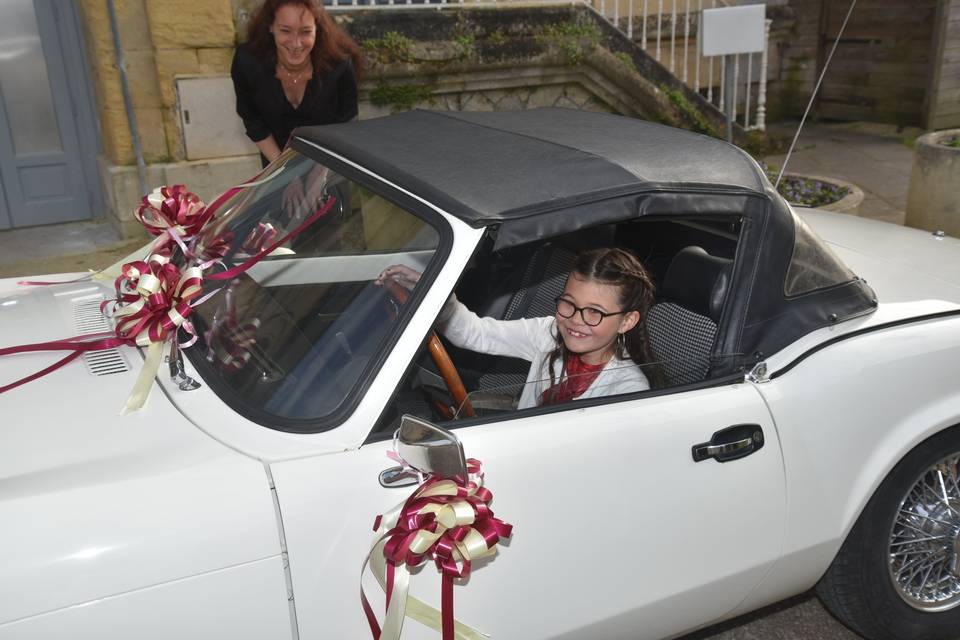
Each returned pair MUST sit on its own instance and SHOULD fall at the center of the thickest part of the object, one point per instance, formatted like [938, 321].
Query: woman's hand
[305, 193]
[401, 274]
[295, 199]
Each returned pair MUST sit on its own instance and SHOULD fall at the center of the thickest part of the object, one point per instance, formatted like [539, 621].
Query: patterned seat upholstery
[543, 280]
[683, 324]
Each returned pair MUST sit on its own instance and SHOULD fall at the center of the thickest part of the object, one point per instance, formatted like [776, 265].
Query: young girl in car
[589, 348]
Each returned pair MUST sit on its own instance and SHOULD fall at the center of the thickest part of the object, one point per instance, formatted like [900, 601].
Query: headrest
[698, 281]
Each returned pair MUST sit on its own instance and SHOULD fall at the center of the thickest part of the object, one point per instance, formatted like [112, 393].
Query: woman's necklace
[291, 76]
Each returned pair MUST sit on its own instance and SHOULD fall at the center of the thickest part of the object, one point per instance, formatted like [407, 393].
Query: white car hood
[912, 271]
[95, 504]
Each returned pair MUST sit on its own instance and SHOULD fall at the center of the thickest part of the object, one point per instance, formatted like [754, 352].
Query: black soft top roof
[541, 173]
[489, 167]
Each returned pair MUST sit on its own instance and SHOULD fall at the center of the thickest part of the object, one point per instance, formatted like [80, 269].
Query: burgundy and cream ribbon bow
[174, 211]
[153, 299]
[446, 520]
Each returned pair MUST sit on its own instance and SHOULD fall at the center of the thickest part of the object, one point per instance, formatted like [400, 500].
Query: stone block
[191, 23]
[174, 135]
[141, 79]
[131, 23]
[195, 175]
[215, 61]
[545, 96]
[170, 63]
[229, 172]
[476, 101]
[514, 100]
[116, 135]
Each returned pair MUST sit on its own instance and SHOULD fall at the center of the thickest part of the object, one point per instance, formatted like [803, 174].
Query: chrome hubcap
[924, 549]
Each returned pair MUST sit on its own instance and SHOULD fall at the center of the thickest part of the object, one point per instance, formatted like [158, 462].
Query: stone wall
[880, 71]
[161, 40]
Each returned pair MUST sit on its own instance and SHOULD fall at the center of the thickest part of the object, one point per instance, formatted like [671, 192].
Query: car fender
[846, 414]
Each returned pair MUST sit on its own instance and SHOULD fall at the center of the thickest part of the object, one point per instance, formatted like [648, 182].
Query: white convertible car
[807, 432]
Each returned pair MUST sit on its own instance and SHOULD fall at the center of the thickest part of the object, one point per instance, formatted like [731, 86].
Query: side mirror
[428, 449]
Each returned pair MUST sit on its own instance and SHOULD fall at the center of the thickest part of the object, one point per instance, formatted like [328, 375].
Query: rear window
[813, 265]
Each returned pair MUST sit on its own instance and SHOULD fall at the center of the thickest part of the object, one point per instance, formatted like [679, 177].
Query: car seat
[683, 323]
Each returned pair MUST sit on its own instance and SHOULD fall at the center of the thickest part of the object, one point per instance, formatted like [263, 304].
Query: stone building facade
[459, 59]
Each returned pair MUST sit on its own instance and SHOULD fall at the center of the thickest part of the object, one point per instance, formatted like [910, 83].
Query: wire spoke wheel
[924, 546]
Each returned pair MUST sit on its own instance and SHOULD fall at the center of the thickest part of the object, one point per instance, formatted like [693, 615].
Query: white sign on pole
[731, 30]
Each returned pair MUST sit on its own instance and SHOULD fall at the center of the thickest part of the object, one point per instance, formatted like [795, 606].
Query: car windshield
[288, 340]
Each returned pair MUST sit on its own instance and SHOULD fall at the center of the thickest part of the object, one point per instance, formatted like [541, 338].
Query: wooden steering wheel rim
[439, 355]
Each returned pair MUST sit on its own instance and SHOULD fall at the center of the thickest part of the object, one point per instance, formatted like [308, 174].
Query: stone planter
[850, 203]
[933, 201]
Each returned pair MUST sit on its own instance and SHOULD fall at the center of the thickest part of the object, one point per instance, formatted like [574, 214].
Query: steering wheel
[439, 355]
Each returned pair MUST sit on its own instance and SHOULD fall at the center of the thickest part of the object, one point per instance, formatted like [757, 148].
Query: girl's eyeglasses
[591, 316]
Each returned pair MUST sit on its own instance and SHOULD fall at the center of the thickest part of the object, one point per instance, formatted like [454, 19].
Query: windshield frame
[414, 205]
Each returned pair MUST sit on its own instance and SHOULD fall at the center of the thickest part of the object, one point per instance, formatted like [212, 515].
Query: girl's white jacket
[532, 339]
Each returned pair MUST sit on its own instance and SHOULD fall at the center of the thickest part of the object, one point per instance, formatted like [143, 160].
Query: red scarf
[576, 378]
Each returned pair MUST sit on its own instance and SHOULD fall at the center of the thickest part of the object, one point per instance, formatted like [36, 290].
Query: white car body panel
[247, 602]
[95, 504]
[601, 498]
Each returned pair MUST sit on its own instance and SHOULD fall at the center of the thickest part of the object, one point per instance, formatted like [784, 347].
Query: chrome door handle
[731, 443]
[396, 477]
[713, 450]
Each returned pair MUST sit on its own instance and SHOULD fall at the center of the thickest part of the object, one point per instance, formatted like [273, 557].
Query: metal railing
[667, 30]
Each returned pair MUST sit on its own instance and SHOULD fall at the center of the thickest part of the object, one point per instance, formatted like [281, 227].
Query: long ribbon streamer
[446, 520]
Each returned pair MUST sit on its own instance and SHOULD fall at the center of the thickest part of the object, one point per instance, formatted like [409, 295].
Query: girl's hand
[401, 274]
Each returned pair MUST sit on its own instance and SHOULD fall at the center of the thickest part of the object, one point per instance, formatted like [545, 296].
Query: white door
[618, 533]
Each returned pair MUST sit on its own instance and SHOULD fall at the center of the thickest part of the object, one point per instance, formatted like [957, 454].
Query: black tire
[859, 589]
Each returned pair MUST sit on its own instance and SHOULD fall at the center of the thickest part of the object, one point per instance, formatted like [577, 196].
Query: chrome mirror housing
[430, 449]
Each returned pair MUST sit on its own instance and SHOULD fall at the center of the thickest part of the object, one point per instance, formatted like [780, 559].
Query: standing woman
[296, 69]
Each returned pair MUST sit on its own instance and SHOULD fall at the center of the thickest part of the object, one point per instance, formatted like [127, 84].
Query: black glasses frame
[603, 314]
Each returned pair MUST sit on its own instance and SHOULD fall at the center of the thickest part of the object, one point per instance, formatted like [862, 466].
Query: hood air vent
[88, 319]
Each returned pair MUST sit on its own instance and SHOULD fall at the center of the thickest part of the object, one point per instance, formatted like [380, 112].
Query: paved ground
[800, 618]
[877, 158]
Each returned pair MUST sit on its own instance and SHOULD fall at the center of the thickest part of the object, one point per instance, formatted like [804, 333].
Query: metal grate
[88, 319]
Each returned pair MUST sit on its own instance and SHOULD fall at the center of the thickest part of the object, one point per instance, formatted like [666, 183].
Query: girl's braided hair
[622, 269]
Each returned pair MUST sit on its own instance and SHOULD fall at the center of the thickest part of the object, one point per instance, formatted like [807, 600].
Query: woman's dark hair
[332, 46]
[622, 269]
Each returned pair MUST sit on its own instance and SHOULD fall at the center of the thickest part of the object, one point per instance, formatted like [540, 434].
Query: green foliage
[465, 46]
[953, 142]
[392, 47]
[573, 39]
[626, 59]
[400, 97]
[690, 113]
[497, 38]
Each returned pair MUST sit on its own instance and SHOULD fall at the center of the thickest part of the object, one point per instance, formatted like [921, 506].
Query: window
[813, 265]
[290, 340]
[523, 282]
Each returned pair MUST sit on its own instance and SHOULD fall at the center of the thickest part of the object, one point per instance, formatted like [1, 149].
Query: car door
[618, 532]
